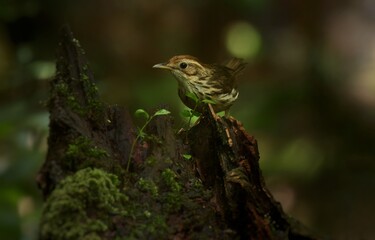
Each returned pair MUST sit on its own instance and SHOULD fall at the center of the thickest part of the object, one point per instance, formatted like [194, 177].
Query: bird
[213, 84]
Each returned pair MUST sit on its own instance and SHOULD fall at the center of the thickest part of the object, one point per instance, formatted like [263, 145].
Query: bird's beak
[162, 66]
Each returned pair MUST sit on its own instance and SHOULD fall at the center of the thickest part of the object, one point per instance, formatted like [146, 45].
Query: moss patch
[82, 153]
[78, 90]
[172, 197]
[89, 205]
[83, 206]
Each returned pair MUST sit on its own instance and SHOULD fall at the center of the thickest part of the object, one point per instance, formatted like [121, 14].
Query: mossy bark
[218, 193]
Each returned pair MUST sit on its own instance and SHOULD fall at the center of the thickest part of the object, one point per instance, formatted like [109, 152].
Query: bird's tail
[236, 64]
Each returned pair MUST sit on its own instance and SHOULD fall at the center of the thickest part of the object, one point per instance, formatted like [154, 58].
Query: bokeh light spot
[243, 40]
[43, 69]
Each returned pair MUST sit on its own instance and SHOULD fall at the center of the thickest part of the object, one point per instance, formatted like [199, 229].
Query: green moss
[75, 105]
[169, 178]
[89, 205]
[82, 152]
[94, 105]
[150, 161]
[88, 105]
[62, 88]
[148, 186]
[172, 197]
[145, 215]
[82, 206]
[84, 147]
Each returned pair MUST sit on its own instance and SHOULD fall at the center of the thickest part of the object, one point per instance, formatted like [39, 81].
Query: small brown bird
[212, 82]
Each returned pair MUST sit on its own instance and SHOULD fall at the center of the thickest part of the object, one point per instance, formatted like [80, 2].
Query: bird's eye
[183, 65]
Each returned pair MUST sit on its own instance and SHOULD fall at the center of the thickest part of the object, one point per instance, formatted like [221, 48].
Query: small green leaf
[187, 156]
[162, 112]
[141, 113]
[196, 114]
[210, 101]
[186, 113]
[142, 134]
[192, 96]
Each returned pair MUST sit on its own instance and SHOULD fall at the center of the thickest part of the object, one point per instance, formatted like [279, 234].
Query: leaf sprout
[141, 113]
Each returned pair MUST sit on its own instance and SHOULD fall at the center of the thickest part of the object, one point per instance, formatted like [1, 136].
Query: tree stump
[203, 183]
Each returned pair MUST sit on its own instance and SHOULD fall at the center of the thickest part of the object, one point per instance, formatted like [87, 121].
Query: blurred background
[307, 94]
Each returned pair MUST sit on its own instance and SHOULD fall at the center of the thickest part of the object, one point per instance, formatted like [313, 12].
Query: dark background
[307, 94]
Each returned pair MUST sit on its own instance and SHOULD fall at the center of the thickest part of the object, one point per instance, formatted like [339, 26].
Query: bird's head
[186, 68]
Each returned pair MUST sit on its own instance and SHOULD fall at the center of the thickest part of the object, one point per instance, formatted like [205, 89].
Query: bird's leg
[216, 117]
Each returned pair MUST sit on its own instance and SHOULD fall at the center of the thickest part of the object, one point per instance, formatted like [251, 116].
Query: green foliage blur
[307, 94]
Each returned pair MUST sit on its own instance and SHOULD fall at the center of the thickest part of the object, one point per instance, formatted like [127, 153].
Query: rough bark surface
[217, 194]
